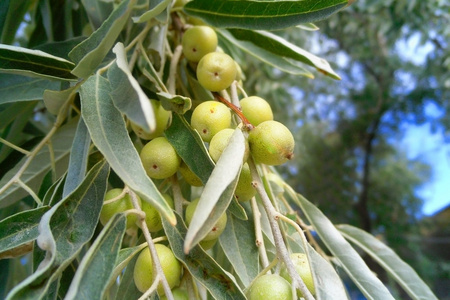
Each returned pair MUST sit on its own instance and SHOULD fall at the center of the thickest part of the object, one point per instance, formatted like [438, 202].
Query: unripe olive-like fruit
[216, 71]
[152, 216]
[189, 176]
[143, 269]
[270, 287]
[178, 294]
[198, 41]
[121, 205]
[210, 117]
[159, 158]
[256, 110]
[220, 141]
[301, 264]
[206, 245]
[271, 143]
[218, 228]
[244, 188]
[162, 118]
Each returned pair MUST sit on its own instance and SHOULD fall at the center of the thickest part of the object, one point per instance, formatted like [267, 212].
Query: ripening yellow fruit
[244, 188]
[256, 110]
[216, 71]
[162, 118]
[301, 264]
[121, 205]
[220, 141]
[210, 117]
[152, 216]
[270, 287]
[198, 41]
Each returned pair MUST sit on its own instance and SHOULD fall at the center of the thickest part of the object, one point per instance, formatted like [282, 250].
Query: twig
[177, 195]
[11, 145]
[173, 69]
[258, 233]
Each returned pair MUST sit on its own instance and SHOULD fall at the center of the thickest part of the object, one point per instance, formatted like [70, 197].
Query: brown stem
[235, 109]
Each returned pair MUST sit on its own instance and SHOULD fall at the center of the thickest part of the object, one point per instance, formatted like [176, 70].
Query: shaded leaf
[35, 63]
[175, 103]
[402, 273]
[266, 15]
[109, 133]
[95, 270]
[156, 7]
[55, 100]
[202, 267]
[127, 287]
[97, 11]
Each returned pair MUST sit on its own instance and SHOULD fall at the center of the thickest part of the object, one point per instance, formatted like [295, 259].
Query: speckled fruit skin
[210, 117]
[159, 158]
[109, 210]
[143, 269]
[301, 264]
[271, 143]
[244, 189]
[152, 216]
[198, 41]
[256, 110]
[220, 141]
[218, 228]
[189, 176]
[270, 287]
[162, 118]
[216, 71]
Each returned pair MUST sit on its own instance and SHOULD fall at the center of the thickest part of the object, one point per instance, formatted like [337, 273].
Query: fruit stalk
[235, 109]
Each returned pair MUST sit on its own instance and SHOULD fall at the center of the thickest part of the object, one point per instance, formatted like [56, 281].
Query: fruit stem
[235, 109]
[282, 251]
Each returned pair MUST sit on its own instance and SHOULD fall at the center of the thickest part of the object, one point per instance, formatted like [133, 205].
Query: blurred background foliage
[349, 160]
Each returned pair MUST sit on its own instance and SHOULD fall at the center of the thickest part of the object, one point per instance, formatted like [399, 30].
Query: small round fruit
[244, 188]
[220, 141]
[143, 269]
[301, 264]
[159, 158]
[270, 287]
[206, 245]
[216, 71]
[189, 176]
[121, 205]
[256, 110]
[210, 117]
[162, 118]
[152, 216]
[218, 228]
[178, 294]
[198, 41]
[271, 143]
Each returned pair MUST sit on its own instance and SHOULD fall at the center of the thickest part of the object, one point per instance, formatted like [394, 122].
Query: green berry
[159, 158]
[218, 228]
[270, 287]
[301, 264]
[256, 110]
[198, 41]
[178, 294]
[162, 118]
[271, 143]
[152, 216]
[143, 269]
[220, 141]
[210, 117]
[244, 189]
[216, 71]
[121, 205]
[189, 176]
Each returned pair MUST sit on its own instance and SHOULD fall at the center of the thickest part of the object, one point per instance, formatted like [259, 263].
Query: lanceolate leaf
[202, 267]
[91, 52]
[55, 100]
[35, 63]
[64, 229]
[218, 191]
[350, 260]
[20, 228]
[109, 133]
[281, 47]
[265, 15]
[402, 273]
[95, 270]
[155, 10]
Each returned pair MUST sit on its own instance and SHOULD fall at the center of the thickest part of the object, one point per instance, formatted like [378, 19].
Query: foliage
[71, 84]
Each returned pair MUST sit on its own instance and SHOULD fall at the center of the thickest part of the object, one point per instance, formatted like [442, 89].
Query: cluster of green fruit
[267, 142]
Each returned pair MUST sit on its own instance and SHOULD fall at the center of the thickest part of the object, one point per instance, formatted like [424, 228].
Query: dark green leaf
[97, 11]
[127, 287]
[34, 63]
[156, 8]
[20, 228]
[15, 12]
[109, 133]
[175, 103]
[399, 270]
[265, 15]
[202, 267]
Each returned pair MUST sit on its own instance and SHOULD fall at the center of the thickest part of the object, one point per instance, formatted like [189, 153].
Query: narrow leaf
[402, 273]
[201, 266]
[127, 94]
[20, 228]
[97, 11]
[350, 260]
[218, 191]
[35, 63]
[95, 270]
[265, 15]
[155, 9]
[55, 100]
[127, 287]
[90, 53]
[281, 47]
[175, 103]
[109, 133]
